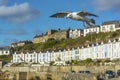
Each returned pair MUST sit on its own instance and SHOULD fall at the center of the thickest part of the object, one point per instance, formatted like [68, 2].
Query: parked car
[72, 71]
[84, 72]
[118, 72]
[87, 72]
[109, 74]
[81, 72]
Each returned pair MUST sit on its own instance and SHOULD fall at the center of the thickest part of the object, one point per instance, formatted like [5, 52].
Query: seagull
[79, 16]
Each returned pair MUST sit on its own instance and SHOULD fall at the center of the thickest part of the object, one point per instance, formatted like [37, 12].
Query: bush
[7, 58]
[107, 60]
[74, 61]
[52, 63]
[88, 60]
[67, 62]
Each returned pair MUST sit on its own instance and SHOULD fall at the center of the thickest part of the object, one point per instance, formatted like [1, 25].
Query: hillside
[7, 58]
[58, 44]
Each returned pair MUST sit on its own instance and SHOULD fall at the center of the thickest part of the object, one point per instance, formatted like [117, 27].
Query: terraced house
[99, 50]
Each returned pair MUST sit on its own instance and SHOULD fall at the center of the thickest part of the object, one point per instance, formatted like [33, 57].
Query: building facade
[94, 51]
[5, 50]
[110, 26]
[75, 33]
[89, 30]
[21, 43]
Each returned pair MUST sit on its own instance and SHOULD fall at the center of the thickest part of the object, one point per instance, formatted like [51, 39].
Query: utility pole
[71, 64]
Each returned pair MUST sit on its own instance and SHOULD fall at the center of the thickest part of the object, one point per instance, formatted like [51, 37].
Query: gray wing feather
[60, 14]
[84, 13]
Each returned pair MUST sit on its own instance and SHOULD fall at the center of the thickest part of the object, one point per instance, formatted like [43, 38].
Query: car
[72, 71]
[109, 74]
[81, 72]
[87, 72]
[118, 72]
[84, 72]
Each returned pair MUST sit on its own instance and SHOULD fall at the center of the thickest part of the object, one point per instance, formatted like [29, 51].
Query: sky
[23, 19]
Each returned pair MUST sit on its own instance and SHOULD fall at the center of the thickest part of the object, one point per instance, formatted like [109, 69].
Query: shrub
[88, 60]
[68, 62]
[52, 63]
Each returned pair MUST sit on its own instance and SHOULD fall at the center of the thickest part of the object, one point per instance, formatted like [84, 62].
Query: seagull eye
[70, 15]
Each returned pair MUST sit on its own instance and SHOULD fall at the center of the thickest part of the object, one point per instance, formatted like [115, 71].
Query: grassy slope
[52, 44]
[7, 58]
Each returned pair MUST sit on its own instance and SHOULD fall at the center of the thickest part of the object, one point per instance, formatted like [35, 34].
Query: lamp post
[71, 64]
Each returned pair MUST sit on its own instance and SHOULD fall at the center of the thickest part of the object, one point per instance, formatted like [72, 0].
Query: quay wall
[54, 72]
[93, 69]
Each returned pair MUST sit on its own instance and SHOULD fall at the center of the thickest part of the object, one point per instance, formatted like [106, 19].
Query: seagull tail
[92, 21]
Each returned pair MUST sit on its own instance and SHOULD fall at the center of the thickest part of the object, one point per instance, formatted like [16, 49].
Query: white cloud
[3, 2]
[18, 13]
[102, 5]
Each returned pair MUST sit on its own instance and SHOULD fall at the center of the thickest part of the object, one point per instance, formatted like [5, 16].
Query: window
[105, 54]
[43, 55]
[114, 46]
[6, 52]
[27, 55]
[34, 55]
[76, 52]
[40, 60]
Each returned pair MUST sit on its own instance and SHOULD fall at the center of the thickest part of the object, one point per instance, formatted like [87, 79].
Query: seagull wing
[60, 14]
[84, 13]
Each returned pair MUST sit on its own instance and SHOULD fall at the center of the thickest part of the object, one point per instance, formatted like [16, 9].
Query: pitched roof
[36, 36]
[5, 48]
[110, 22]
[92, 27]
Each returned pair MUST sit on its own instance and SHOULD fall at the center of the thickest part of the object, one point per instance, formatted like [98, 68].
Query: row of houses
[20, 43]
[108, 26]
[99, 50]
[7, 50]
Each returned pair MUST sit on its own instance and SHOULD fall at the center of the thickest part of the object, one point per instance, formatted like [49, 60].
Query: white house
[75, 33]
[110, 26]
[5, 50]
[89, 30]
[20, 43]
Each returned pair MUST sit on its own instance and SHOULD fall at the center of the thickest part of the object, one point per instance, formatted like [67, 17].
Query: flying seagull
[79, 16]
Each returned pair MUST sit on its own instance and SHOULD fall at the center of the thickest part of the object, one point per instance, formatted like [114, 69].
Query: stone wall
[62, 34]
[93, 69]
[56, 72]
[44, 76]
